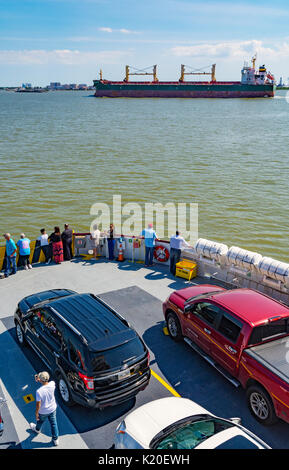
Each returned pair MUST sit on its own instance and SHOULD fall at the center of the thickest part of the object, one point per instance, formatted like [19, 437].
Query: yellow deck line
[165, 384]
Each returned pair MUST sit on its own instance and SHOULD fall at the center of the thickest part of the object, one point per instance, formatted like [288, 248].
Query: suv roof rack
[84, 340]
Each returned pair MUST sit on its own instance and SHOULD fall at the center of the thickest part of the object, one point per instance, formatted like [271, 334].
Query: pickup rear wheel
[174, 327]
[260, 405]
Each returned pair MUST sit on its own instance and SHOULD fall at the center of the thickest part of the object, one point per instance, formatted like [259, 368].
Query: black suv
[96, 358]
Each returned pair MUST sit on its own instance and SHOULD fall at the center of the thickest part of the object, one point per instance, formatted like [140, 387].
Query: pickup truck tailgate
[273, 356]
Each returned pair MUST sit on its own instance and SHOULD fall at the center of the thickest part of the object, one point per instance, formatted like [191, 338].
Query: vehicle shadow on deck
[84, 419]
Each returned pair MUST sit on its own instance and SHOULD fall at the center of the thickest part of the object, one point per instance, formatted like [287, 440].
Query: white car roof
[144, 423]
[233, 435]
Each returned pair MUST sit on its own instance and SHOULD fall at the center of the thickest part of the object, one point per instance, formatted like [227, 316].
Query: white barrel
[274, 269]
[243, 258]
[212, 250]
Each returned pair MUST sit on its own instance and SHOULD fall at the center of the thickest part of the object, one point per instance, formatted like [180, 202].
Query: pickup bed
[243, 334]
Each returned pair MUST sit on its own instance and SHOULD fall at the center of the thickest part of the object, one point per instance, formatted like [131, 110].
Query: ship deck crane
[212, 73]
[128, 73]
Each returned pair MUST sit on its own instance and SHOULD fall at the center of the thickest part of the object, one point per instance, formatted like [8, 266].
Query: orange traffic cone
[120, 253]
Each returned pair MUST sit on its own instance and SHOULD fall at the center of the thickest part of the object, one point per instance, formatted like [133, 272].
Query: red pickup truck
[242, 333]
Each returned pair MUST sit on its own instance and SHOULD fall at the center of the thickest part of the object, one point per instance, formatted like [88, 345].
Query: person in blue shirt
[24, 251]
[11, 251]
[150, 238]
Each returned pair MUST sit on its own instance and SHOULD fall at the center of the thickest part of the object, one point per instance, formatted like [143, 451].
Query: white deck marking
[17, 380]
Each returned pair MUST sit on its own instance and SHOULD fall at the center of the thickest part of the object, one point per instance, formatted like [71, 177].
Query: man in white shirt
[46, 406]
[95, 236]
[44, 245]
[177, 243]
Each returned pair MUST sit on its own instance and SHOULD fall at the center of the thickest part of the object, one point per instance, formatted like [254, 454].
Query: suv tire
[174, 327]
[260, 405]
[20, 336]
[64, 391]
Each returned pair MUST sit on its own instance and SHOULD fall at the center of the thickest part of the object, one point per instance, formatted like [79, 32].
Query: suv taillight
[88, 381]
[148, 358]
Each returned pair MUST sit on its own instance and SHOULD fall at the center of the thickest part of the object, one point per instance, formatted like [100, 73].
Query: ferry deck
[137, 293]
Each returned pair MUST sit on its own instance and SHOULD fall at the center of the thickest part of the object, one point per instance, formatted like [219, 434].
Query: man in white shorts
[46, 406]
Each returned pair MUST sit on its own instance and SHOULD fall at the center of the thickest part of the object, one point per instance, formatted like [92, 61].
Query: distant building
[26, 85]
[54, 85]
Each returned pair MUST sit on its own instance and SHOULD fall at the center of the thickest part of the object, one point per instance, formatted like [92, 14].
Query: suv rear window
[269, 330]
[115, 358]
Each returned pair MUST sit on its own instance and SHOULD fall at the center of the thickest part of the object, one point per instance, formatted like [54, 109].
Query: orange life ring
[161, 253]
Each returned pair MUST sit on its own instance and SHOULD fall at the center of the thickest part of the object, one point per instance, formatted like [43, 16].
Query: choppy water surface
[60, 152]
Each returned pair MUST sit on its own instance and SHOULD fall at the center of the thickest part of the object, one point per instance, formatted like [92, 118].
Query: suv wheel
[20, 334]
[174, 327]
[64, 391]
[260, 405]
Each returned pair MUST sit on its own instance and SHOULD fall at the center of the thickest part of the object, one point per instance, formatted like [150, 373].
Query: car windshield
[115, 358]
[190, 434]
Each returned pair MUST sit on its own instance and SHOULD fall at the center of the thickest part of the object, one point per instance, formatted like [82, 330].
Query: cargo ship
[253, 84]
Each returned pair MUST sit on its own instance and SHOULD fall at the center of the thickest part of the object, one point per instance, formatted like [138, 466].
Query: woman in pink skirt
[57, 247]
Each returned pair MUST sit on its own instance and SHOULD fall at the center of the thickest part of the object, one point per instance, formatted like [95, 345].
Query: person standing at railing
[24, 251]
[11, 252]
[66, 238]
[111, 242]
[150, 238]
[44, 245]
[57, 247]
[176, 244]
[95, 237]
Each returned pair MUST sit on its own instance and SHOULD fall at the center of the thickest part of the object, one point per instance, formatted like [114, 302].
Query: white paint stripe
[17, 380]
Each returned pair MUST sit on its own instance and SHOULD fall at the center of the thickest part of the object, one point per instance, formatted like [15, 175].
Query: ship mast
[128, 73]
[212, 73]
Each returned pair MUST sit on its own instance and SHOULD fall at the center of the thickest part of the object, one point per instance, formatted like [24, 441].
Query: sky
[68, 41]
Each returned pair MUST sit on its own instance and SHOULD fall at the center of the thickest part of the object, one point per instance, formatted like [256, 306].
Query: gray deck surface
[137, 293]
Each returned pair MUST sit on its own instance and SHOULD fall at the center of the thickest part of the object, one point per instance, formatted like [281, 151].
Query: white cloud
[232, 49]
[122, 30]
[61, 56]
[105, 30]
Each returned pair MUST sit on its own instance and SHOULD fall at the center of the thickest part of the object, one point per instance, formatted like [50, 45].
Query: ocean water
[61, 152]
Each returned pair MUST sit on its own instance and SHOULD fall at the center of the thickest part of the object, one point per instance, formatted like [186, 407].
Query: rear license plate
[123, 374]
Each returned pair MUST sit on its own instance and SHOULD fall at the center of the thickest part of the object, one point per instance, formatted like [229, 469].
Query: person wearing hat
[11, 251]
[149, 236]
[46, 406]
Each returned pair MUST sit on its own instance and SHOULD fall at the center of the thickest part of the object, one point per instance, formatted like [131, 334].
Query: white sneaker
[33, 428]
[29, 266]
[55, 442]
[26, 267]
[48, 261]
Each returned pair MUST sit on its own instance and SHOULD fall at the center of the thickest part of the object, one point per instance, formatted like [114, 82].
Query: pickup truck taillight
[148, 358]
[88, 381]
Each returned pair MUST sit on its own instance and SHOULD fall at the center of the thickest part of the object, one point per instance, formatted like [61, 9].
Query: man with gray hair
[24, 251]
[46, 406]
[11, 252]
